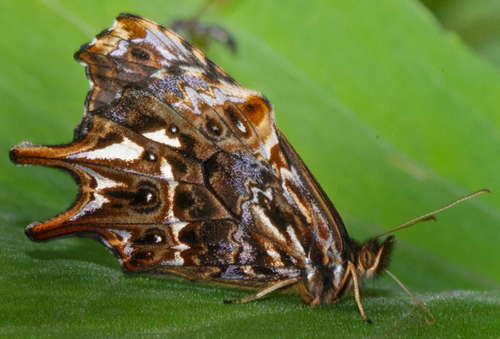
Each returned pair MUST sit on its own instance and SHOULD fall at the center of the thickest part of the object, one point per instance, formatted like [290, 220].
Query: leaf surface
[395, 117]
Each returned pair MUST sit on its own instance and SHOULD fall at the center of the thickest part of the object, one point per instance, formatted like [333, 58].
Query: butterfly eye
[367, 258]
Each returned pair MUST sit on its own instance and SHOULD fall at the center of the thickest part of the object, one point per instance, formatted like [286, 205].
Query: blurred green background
[394, 111]
[477, 22]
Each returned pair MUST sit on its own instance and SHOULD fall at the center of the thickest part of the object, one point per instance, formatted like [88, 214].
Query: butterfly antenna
[421, 304]
[430, 216]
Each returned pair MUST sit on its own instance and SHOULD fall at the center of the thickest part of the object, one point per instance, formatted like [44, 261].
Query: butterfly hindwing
[181, 170]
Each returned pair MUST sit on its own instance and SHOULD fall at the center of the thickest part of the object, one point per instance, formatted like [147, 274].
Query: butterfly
[182, 171]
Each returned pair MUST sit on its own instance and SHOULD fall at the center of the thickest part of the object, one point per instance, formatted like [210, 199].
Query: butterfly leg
[262, 293]
[356, 292]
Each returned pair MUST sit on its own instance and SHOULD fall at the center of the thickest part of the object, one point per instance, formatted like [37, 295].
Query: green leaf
[477, 22]
[394, 116]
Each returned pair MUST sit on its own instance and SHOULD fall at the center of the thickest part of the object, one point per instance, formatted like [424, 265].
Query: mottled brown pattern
[183, 171]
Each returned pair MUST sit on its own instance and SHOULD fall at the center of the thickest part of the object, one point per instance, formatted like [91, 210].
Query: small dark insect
[201, 35]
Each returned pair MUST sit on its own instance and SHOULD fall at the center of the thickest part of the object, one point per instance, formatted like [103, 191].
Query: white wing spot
[241, 127]
[126, 150]
[123, 47]
[295, 240]
[177, 261]
[195, 98]
[218, 99]
[161, 137]
[125, 235]
[171, 192]
[180, 247]
[170, 50]
[128, 250]
[269, 143]
[177, 227]
[166, 169]
[276, 256]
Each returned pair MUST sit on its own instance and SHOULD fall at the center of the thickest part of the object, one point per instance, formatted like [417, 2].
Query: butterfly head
[372, 258]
